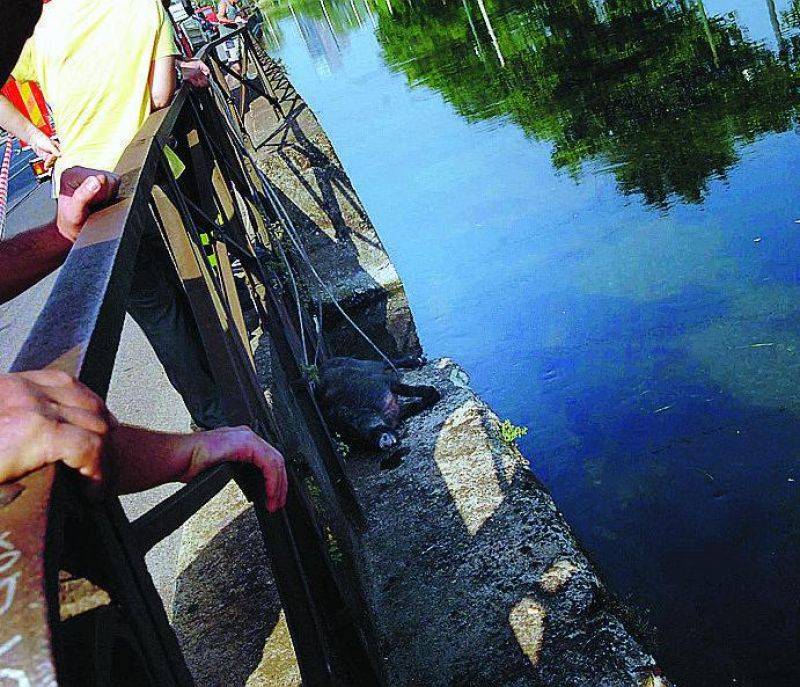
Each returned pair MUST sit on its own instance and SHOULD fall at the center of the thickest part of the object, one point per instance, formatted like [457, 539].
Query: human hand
[240, 445]
[81, 190]
[45, 147]
[196, 73]
[46, 416]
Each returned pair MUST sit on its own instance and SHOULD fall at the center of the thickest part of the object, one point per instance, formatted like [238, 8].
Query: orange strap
[29, 100]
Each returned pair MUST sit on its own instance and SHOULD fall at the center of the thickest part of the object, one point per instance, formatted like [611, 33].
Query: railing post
[135, 591]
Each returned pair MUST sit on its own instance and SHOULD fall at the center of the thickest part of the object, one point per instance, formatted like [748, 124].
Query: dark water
[594, 206]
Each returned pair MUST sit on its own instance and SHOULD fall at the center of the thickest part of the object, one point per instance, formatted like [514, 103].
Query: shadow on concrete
[341, 241]
[227, 606]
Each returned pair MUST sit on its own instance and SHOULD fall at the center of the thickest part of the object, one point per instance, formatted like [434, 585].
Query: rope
[5, 166]
[293, 234]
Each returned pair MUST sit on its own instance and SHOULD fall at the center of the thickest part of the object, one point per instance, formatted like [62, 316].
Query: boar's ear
[19, 20]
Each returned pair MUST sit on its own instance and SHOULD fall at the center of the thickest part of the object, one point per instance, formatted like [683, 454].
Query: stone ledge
[476, 577]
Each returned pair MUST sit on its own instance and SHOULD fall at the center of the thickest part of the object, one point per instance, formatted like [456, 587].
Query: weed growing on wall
[509, 432]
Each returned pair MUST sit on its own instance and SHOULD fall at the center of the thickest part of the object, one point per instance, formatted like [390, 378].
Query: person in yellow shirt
[103, 68]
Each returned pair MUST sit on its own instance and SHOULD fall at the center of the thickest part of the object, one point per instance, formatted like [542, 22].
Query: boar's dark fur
[361, 399]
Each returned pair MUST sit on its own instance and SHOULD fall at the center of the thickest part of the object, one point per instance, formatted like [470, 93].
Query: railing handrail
[78, 332]
[56, 342]
[63, 343]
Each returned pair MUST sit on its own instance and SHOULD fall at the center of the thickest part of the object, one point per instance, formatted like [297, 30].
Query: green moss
[509, 432]
[310, 373]
[341, 445]
[334, 552]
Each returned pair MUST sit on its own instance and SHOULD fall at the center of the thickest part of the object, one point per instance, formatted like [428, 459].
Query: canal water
[595, 207]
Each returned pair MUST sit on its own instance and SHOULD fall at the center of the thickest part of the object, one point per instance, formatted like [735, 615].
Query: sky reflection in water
[593, 206]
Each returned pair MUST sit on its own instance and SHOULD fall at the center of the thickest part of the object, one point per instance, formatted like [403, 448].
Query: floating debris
[764, 344]
[705, 473]
[661, 410]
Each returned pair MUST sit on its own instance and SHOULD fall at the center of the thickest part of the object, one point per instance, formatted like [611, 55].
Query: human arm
[163, 82]
[222, 10]
[144, 459]
[25, 60]
[33, 254]
[13, 121]
[163, 78]
[195, 72]
[222, 15]
[46, 416]
[29, 257]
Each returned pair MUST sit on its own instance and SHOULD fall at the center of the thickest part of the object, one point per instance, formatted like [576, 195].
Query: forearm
[163, 82]
[142, 459]
[14, 122]
[28, 257]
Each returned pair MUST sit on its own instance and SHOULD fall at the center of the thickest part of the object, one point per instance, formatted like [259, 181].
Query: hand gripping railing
[48, 527]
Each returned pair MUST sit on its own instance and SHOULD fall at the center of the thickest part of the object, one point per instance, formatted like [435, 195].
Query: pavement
[140, 394]
[17, 316]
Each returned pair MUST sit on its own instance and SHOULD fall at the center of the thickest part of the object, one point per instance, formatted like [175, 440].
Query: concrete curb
[476, 577]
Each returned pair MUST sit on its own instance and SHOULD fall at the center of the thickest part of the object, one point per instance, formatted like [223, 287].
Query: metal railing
[48, 527]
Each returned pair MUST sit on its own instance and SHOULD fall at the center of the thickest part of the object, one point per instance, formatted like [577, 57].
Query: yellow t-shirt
[92, 59]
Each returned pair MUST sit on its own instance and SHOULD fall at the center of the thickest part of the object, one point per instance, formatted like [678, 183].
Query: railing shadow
[230, 604]
[338, 234]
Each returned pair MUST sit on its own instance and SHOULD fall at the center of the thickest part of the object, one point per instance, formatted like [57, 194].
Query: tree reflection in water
[659, 94]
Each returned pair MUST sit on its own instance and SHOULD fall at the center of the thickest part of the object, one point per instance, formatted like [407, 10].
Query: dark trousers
[159, 305]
